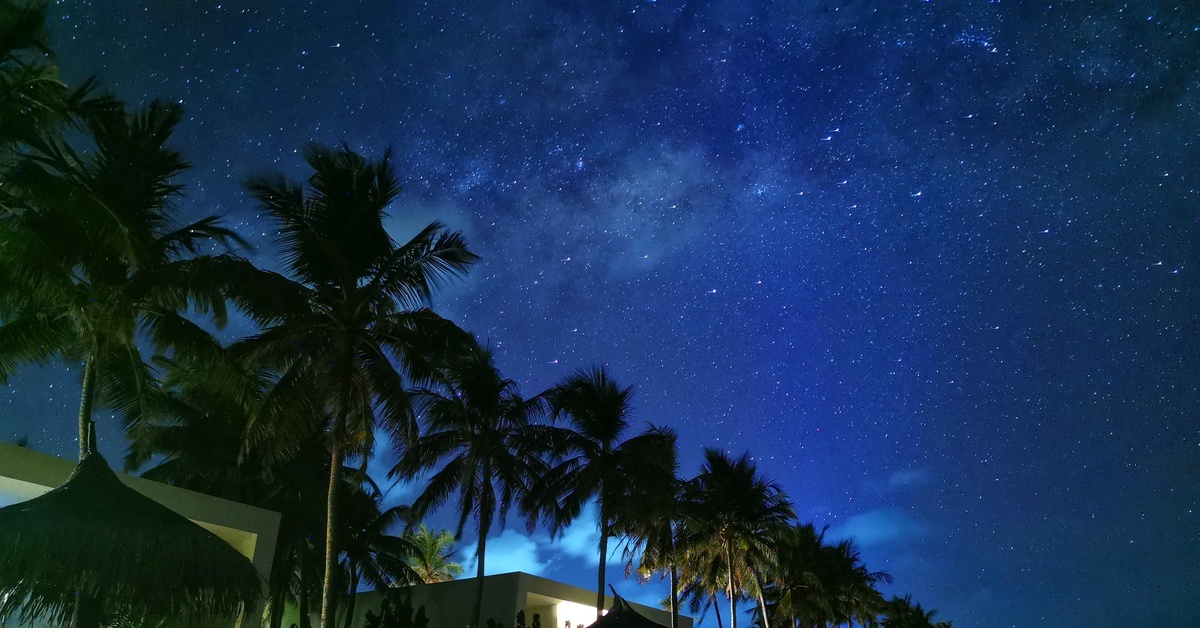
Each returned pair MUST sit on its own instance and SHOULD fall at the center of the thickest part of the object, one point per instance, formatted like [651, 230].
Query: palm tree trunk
[674, 596]
[729, 586]
[603, 561]
[302, 596]
[485, 522]
[353, 595]
[87, 612]
[762, 600]
[717, 609]
[87, 431]
[335, 474]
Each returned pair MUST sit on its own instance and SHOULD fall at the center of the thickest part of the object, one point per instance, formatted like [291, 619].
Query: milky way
[935, 266]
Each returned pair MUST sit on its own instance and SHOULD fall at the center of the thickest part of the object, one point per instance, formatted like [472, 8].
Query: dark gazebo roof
[136, 558]
[622, 615]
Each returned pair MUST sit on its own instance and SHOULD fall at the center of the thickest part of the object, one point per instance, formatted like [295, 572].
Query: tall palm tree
[482, 437]
[354, 320]
[94, 259]
[795, 588]
[599, 464]
[902, 612]
[702, 584]
[198, 440]
[651, 526]
[34, 103]
[374, 555]
[433, 555]
[851, 584]
[99, 259]
[735, 514]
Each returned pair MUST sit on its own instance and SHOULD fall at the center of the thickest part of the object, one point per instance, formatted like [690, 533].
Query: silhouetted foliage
[353, 323]
[397, 612]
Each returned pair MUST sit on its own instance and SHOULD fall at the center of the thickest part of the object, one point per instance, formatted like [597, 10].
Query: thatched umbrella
[622, 615]
[120, 553]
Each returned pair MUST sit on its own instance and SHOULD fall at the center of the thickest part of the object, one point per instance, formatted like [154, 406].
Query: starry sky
[935, 265]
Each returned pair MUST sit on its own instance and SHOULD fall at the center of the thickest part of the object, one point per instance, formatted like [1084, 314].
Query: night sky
[935, 265]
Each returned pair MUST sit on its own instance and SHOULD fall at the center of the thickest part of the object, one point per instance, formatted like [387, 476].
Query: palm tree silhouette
[433, 555]
[482, 433]
[94, 260]
[100, 260]
[372, 554]
[34, 104]
[199, 441]
[852, 586]
[820, 583]
[902, 612]
[354, 313]
[598, 463]
[651, 524]
[735, 513]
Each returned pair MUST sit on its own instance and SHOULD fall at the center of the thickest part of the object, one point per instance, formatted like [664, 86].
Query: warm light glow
[574, 615]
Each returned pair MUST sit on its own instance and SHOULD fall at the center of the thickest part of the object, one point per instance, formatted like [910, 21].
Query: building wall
[449, 604]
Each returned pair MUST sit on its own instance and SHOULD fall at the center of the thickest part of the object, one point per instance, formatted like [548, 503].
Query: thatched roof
[97, 537]
[622, 615]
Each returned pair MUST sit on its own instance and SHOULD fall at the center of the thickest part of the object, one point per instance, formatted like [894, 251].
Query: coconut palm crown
[98, 259]
[599, 463]
[734, 514]
[484, 446]
[353, 321]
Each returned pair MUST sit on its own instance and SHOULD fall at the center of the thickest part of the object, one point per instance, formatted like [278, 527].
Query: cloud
[910, 477]
[510, 551]
[378, 465]
[883, 526]
[581, 539]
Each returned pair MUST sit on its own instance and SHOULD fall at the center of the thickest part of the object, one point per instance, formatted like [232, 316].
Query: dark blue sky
[935, 265]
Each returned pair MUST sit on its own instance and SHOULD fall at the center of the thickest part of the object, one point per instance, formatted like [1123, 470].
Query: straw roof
[622, 615]
[136, 558]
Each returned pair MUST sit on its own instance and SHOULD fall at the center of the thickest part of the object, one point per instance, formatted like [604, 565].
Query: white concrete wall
[449, 604]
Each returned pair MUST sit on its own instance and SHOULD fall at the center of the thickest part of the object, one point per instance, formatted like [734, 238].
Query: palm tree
[702, 582]
[99, 260]
[902, 612]
[598, 464]
[372, 554]
[852, 586]
[94, 259]
[652, 526]
[820, 583]
[199, 441]
[735, 513]
[795, 588]
[354, 320]
[433, 555]
[34, 103]
[482, 433]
